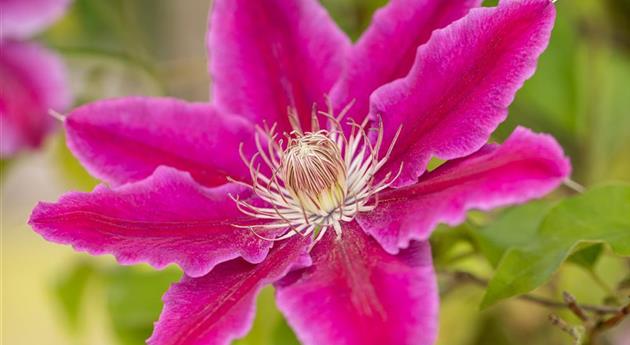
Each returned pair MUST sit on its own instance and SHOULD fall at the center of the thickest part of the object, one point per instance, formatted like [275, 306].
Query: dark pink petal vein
[526, 166]
[357, 294]
[219, 307]
[167, 218]
[124, 140]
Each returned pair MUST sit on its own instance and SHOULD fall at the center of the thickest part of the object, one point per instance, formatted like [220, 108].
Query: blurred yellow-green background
[53, 295]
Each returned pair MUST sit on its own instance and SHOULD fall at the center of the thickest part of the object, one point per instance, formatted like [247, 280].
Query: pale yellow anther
[314, 173]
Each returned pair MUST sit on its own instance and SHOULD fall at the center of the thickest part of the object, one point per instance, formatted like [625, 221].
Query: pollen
[310, 182]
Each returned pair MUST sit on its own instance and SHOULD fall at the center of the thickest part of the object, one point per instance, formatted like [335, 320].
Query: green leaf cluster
[528, 244]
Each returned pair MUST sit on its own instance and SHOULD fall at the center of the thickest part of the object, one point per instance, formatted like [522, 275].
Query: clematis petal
[124, 140]
[461, 84]
[32, 80]
[219, 307]
[23, 18]
[356, 293]
[266, 56]
[388, 47]
[167, 218]
[526, 166]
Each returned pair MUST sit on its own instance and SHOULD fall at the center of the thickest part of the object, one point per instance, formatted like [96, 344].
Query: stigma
[311, 182]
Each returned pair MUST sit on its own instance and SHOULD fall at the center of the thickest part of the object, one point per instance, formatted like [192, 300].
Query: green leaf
[600, 215]
[514, 228]
[69, 291]
[587, 256]
[134, 300]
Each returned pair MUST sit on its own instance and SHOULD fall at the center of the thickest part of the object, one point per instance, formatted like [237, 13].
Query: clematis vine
[32, 78]
[308, 170]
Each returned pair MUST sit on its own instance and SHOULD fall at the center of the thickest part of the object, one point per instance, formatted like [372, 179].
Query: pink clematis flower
[333, 207]
[32, 78]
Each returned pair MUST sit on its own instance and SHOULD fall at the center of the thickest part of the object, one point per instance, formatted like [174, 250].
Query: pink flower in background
[32, 78]
[252, 190]
[21, 19]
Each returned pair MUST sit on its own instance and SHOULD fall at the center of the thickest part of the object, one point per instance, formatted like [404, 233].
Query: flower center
[314, 173]
[317, 180]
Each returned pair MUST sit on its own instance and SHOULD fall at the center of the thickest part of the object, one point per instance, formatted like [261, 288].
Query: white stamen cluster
[317, 180]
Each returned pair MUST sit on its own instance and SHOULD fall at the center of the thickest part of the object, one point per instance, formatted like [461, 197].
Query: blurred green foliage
[132, 296]
[70, 290]
[134, 300]
[269, 325]
[580, 94]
